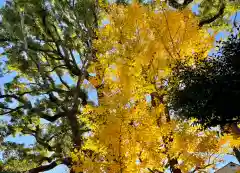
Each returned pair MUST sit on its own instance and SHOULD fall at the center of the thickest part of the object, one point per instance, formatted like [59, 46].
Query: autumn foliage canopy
[132, 128]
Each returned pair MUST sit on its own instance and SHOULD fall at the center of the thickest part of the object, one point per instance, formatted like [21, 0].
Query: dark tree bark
[66, 161]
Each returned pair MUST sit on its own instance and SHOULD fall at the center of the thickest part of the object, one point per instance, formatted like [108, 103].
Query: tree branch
[16, 97]
[199, 168]
[72, 115]
[63, 82]
[53, 118]
[35, 133]
[66, 161]
[40, 49]
[48, 117]
[12, 110]
[54, 68]
[213, 18]
[234, 20]
[176, 5]
[154, 171]
[73, 59]
[73, 70]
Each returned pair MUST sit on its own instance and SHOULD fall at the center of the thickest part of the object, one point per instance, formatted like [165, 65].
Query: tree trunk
[75, 127]
[157, 99]
[237, 153]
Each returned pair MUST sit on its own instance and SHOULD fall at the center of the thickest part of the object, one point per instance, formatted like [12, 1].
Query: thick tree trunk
[75, 127]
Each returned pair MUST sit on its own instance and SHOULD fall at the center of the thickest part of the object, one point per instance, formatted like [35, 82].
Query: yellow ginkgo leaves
[134, 54]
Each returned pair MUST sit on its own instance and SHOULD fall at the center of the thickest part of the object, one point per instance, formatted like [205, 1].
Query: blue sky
[28, 140]
[2, 2]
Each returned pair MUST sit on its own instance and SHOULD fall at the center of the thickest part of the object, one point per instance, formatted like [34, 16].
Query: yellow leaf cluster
[135, 52]
[140, 43]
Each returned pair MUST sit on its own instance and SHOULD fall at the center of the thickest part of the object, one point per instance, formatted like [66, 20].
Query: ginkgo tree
[46, 46]
[132, 129]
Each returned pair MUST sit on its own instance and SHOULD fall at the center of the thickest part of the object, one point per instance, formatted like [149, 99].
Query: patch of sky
[148, 98]
[223, 35]
[77, 58]
[59, 169]
[2, 2]
[235, 17]
[195, 9]
[27, 140]
[70, 81]
[5, 118]
[92, 96]
[91, 91]
[105, 22]
[226, 159]
[7, 78]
